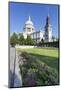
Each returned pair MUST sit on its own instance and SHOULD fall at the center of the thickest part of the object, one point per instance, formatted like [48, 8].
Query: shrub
[36, 72]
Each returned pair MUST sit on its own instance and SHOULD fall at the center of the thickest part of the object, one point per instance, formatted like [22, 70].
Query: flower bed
[36, 73]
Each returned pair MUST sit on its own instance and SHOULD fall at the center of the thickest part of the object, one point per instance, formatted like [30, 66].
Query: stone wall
[24, 46]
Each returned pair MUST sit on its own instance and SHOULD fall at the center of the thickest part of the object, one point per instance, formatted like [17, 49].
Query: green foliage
[53, 38]
[29, 41]
[35, 72]
[49, 56]
[21, 40]
[42, 40]
[14, 39]
[49, 44]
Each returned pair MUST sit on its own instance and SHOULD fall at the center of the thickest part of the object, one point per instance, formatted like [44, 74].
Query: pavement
[15, 79]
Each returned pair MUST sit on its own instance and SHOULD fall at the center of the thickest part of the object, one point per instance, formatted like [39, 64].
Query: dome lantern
[29, 21]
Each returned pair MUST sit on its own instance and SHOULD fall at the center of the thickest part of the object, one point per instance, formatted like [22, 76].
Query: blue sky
[19, 13]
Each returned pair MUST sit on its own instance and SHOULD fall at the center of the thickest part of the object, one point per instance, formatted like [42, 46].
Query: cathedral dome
[29, 27]
[29, 22]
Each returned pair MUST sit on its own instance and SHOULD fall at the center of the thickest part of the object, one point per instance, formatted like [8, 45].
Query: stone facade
[29, 29]
[48, 30]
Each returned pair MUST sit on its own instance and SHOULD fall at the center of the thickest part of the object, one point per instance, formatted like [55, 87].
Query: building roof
[29, 21]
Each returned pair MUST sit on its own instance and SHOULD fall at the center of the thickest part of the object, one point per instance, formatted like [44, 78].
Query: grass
[39, 67]
[47, 55]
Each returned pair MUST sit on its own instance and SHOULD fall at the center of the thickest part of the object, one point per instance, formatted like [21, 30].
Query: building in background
[48, 30]
[29, 29]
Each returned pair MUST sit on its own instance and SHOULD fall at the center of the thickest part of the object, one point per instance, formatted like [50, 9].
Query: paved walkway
[17, 79]
[14, 75]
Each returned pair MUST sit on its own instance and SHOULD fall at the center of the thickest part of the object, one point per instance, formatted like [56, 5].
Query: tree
[14, 39]
[21, 40]
[29, 41]
[57, 39]
[53, 38]
[42, 40]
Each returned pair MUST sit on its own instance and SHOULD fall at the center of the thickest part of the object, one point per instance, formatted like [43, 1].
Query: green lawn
[47, 55]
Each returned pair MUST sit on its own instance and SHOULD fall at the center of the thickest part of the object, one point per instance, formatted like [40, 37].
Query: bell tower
[48, 30]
